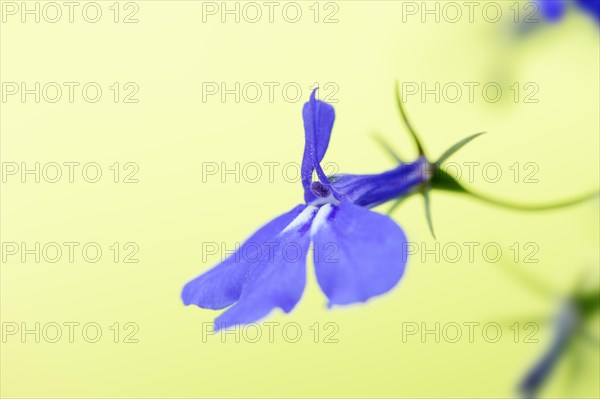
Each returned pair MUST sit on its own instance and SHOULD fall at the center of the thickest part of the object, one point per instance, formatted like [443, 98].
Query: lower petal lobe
[278, 279]
[221, 286]
[358, 253]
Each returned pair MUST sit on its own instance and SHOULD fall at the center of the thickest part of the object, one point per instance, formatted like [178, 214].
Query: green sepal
[450, 151]
[383, 143]
[442, 180]
[427, 202]
[587, 302]
[411, 130]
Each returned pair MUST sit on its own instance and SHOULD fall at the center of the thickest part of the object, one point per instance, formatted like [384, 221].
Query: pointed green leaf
[386, 147]
[395, 205]
[406, 121]
[427, 202]
[450, 151]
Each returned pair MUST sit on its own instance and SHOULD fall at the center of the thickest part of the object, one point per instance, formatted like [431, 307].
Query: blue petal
[372, 190]
[591, 7]
[358, 253]
[534, 380]
[278, 279]
[565, 325]
[318, 122]
[552, 10]
[221, 286]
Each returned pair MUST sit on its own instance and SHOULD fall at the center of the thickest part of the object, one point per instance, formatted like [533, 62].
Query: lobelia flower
[570, 332]
[554, 10]
[358, 254]
[564, 326]
[571, 329]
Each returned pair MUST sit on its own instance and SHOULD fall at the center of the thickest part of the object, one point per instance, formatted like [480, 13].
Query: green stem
[533, 207]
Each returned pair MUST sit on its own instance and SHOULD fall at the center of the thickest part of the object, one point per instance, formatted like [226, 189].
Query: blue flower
[565, 326]
[358, 254]
[572, 335]
[554, 10]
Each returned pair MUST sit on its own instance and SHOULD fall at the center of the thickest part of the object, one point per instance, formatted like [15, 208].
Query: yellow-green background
[170, 212]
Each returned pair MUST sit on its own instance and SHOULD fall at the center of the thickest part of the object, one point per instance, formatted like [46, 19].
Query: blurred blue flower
[358, 254]
[565, 325]
[573, 334]
[554, 10]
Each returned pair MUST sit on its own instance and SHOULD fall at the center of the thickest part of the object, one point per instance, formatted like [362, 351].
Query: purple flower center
[319, 189]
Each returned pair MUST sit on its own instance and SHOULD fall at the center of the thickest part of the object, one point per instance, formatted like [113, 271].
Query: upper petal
[358, 253]
[278, 279]
[318, 122]
[221, 286]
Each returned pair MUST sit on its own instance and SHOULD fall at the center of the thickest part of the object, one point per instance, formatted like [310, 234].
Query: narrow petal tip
[313, 95]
